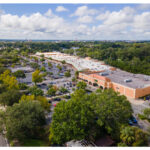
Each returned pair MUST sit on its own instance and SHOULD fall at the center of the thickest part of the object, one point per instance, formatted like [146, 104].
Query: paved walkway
[3, 141]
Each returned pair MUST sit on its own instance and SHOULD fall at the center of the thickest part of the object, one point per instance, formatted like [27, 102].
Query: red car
[54, 105]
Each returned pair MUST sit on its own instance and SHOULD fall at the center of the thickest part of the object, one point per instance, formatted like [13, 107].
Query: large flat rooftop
[77, 62]
[117, 76]
[136, 80]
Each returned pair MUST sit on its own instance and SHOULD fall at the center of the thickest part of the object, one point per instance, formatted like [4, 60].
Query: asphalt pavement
[3, 141]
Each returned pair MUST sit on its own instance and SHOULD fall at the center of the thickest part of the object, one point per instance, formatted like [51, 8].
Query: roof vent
[128, 80]
[104, 73]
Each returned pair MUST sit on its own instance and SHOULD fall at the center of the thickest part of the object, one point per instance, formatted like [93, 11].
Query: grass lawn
[34, 142]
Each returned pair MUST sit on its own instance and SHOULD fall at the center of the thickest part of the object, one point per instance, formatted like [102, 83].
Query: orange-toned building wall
[129, 92]
[106, 83]
[142, 92]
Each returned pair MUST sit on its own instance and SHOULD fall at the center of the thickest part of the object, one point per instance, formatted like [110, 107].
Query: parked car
[50, 101]
[133, 119]
[44, 84]
[59, 93]
[147, 97]
[39, 86]
[57, 99]
[54, 105]
[130, 122]
[48, 96]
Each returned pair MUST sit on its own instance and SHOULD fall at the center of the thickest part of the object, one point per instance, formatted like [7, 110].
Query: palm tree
[127, 135]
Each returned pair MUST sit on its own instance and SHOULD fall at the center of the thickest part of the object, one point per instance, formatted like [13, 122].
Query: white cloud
[116, 24]
[142, 22]
[126, 23]
[85, 19]
[84, 10]
[61, 8]
[124, 15]
[49, 13]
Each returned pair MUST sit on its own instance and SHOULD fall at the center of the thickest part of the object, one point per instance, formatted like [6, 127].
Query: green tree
[43, 101]
[34, 90]
[24, 120]
[50, 65]
[59, 67]
[23, 86]
[3, 88]
[127, 135]
[35, 65]
[76, 74]
[89, 116]
[74, 79]
[52, 91]
[81, 85]
[19, 74]
[67, 73]
[42, 55]
[63, 90]
[43, 69]
[37, 77]
[145, 115]
[45, 74]
[10, 97]
[9, 81]
[42, 59]
[2, 70]
[133, 136]
[112, 111]
[72, 119]
[63, 62]
[2, 123]
[122, 145]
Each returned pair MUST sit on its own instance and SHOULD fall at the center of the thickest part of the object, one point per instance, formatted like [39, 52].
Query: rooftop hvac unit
[104, 73]
[128, 80]
[146, 78]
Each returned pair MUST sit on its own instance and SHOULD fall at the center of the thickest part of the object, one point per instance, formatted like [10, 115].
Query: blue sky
[20, 9]
[75, 21]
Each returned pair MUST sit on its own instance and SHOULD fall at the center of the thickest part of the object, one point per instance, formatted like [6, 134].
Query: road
[138, 106]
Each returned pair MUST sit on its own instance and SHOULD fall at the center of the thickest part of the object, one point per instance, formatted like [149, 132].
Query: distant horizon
[29, 40]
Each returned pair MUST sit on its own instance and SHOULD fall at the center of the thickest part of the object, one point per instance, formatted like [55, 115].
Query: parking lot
[56, 78]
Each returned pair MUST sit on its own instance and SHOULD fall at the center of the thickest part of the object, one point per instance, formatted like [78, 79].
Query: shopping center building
[98, 74]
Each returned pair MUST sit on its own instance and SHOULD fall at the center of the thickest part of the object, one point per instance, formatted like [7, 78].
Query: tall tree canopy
[85, 116]
[24, 120]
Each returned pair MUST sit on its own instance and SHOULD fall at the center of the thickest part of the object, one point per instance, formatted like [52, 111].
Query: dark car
[44, 84]
[48, 96]
[147, 97]
[59, 93]
[67, 96]
[50, 101]
[133, 119]
[57, 99]
[39, 86]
